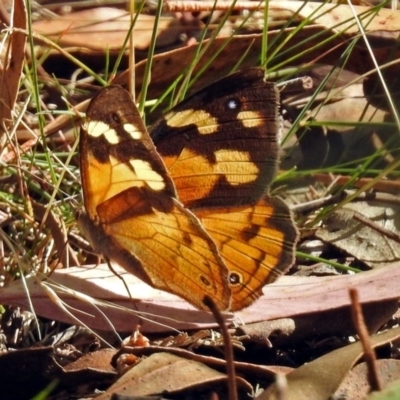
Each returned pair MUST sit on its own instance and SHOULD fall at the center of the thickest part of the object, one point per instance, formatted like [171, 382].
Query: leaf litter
[301, 329]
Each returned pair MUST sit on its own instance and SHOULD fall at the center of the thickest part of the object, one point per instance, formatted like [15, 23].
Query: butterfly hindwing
[132, 214]
[220, 145]
[256, 243]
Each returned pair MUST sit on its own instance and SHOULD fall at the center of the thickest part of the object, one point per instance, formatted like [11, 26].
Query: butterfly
[185, 207]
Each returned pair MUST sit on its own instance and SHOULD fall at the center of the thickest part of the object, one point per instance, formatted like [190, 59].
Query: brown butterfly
[192, 217]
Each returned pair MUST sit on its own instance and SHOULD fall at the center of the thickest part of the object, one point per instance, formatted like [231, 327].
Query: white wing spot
[99, 128]
[233, 104]
[145, 173]
[133, 131]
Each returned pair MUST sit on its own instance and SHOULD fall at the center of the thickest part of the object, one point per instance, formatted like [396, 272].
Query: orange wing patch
[219, 152]
[227, 153]
[256, 243]
[133, 217]
[162, 243]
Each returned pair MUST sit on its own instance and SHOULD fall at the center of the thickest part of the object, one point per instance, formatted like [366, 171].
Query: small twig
[369, 354]
[315, 204]
[190, 6]
[385, 232]
[228, 348]
[294, 85]
[388, 186]
[281, 386]
[376, 196]
[111, 268]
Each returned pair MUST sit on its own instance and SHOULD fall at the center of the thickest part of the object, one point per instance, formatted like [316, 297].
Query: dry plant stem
[119, 277]
[369, 354]
[340, 180]
[228, 348]
[313, 205]
[376, 196]
[58, 231]
[50, 129]
[190, 6]
[281, 386]
[318, 203]
[132, 56]
[391, 235]
[296, 85]
[5, 18]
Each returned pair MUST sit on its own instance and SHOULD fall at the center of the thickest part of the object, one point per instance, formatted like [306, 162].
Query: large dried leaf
[105, 28]
[355, 385]
[319, 379]
[341, 17]
[327, 323]
[361, 240]
[289, 296]
[163, 372]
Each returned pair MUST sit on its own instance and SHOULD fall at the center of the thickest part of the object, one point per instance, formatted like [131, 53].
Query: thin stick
[190, 6]
[386, 232]
[369, 354]
[132, 73]
[228, 348]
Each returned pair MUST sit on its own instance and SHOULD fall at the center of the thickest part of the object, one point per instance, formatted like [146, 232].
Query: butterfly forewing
[133, 216]
[116, 152]
[220, 145]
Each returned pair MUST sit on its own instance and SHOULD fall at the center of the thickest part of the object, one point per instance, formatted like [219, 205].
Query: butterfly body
[189, 214]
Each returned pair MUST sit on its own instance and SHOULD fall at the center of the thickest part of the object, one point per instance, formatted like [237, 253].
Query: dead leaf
[252, 371]
[366, 244]
[97, 360]
[89, 373]
[355, 385]
[105, 28]
[340, 16]
[24, 372]
[287, 297]
[163, 372]
[327, 323]
[319, 379]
